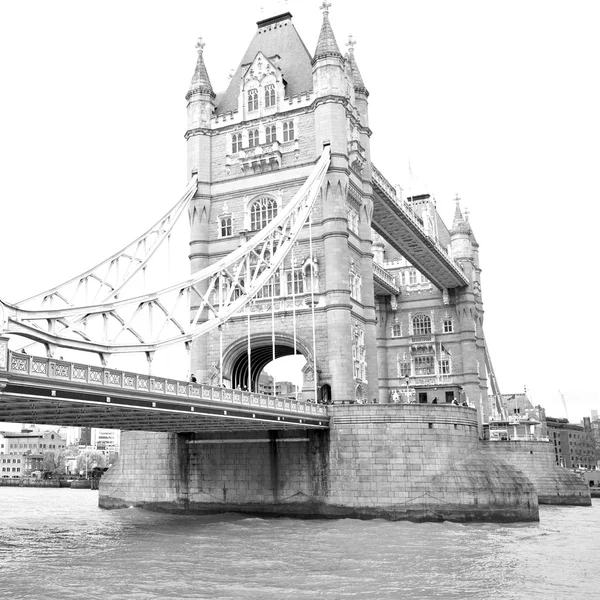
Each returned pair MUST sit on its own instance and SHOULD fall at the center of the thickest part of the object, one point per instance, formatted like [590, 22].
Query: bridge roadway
[57, 392]
[403, 230]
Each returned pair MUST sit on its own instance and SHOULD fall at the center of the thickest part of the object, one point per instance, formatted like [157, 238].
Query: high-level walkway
[45, 390]
[404, 231]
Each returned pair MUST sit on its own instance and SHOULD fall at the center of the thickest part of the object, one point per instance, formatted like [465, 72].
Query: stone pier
[394, 461]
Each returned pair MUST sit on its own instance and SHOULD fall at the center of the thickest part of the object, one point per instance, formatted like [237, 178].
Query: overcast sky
[497, 101]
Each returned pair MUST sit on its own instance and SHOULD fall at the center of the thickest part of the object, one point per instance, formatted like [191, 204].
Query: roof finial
[200, 45]
[351, 43]
[325, 7]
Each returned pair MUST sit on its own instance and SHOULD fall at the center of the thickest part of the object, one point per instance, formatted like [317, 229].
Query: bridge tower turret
[200, 108]
[330, 85]
[469, 307]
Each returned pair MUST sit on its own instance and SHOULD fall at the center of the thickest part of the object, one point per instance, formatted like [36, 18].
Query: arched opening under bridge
[254, 372]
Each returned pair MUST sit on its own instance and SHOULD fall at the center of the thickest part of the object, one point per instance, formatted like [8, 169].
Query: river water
[57, 544]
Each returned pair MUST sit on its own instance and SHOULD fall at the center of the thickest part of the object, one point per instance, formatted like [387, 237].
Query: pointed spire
[458, 223]
[359, 84]
[326, 46]
[200, 81]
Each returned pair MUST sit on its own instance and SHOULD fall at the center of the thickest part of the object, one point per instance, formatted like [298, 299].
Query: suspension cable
[312, 302]
[294, 306]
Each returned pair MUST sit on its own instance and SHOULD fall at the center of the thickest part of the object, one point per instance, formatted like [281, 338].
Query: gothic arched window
[225, 226]
[288, 131]
[262, 211]
[448, 325]
[236, 142]
[269, 95]
[252, 100]
[421, 325]
[271, 133]
[253, 138]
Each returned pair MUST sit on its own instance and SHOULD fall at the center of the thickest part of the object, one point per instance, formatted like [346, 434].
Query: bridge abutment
[394, 461]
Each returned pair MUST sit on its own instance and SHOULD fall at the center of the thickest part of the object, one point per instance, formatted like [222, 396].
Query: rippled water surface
[56, 544]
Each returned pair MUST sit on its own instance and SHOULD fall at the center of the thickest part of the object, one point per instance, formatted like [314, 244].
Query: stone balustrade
[54, 370]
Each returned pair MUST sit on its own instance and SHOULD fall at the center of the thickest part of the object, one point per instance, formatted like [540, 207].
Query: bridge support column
[152, 472]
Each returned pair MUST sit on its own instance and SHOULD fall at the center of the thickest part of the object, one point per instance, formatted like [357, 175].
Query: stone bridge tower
[253, 146]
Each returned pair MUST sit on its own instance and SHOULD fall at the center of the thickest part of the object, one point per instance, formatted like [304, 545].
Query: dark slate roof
[200, 80]
[357, 80]
[275, 36]
[326, 46]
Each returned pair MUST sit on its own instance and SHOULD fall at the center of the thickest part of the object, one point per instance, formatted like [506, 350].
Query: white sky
[497, 101]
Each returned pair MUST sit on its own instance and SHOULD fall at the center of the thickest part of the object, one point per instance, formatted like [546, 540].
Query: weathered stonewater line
[393, 461]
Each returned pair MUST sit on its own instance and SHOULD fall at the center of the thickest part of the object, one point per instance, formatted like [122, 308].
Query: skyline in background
[495, 102]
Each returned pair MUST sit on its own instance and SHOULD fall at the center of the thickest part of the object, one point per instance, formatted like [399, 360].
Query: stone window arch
[271, 134]
[236, 143]
[253, 138]
[269, 95]
[252, 100]
[448, 325]
[261, 212]
[288, 131]
[225, 226]
[421, 325]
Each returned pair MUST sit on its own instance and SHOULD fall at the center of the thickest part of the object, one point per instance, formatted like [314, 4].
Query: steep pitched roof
[326, 46]
[200, 80]
[458, 223]
[275, 36]
[359, 84]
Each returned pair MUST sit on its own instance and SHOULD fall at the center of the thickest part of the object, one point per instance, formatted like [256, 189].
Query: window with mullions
[404, 369]
[252, 100]
[272, 288]
[271, 133]
[421, 325]
[269, 96]
[262, 211]
[448, 326]
[253, 138]
[444, 366]
[412, 277]
[424, 365]
[295, 282]
[225, 229]
[288, 131]
[236, 142]
[397, 330]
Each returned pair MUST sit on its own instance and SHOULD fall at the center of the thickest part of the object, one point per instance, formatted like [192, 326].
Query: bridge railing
[55, 370]
[385, 275]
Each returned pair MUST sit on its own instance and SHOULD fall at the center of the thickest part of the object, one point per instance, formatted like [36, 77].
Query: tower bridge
[298, 246]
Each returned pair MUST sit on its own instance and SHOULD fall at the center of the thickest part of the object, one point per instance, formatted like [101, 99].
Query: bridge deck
[42, 390]
[405, 234]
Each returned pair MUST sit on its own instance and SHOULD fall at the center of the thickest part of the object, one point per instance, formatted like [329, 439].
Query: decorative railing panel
[61, 371]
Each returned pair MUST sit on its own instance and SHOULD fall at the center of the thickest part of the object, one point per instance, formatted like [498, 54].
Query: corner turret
[200, 108]
[328, 62]
[200, 96]
[460, 236]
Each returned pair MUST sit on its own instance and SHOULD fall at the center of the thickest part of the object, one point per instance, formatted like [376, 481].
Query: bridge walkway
[46, 390]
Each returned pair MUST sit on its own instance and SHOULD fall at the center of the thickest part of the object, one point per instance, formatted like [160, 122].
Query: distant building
[106, 440]
[23, 452]
[85, 438]
[268, 385]
[573, 447]
[520, 420]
